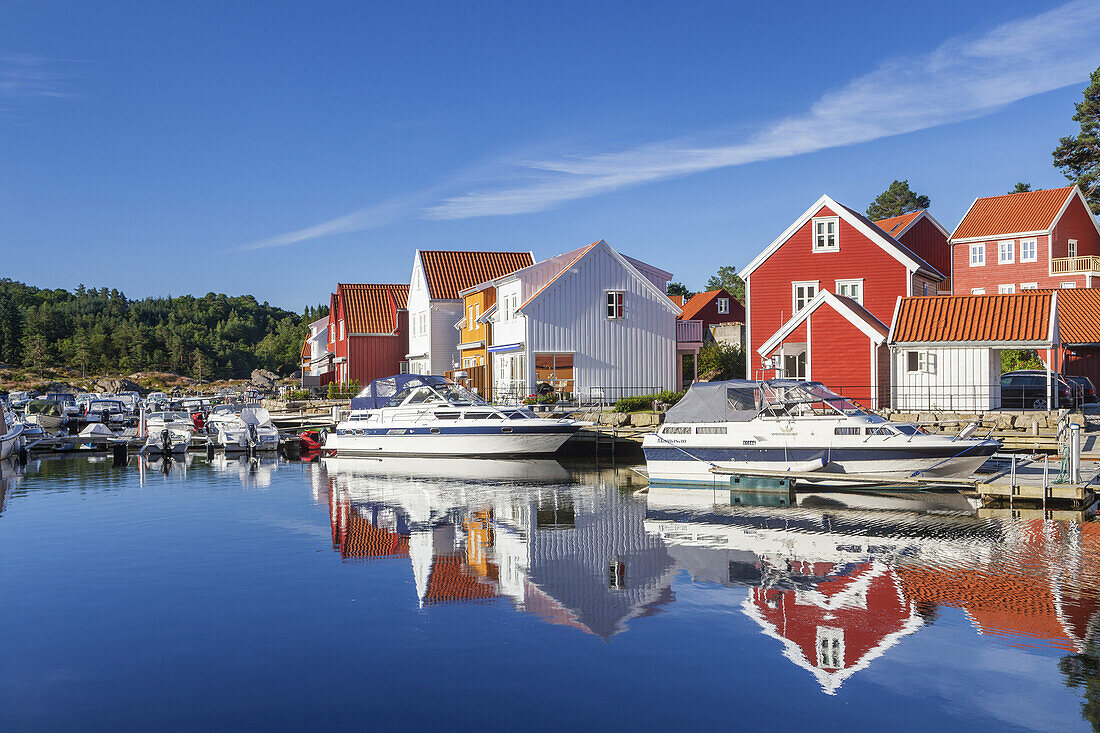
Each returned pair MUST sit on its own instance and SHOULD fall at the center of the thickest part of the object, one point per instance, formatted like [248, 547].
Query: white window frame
[1029, 286]
[723, 306]
[977, 254]
[925, 362]
[343, 335]
[821, 241]
[1068, 285]
[615, 305]
[1025, 254]
[977, 291]
[1071, 248]
[1009, 246]
[1007, 289]
[858, 282]
[815, 284]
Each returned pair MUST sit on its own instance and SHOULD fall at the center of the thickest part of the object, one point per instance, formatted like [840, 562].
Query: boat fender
[807, 466]
[968, 431]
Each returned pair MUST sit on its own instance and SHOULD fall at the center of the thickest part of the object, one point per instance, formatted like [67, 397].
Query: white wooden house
[435, 305]
[946, 351]
[591, 322]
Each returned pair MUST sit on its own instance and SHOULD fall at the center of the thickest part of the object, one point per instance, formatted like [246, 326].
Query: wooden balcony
[689, 332]
[1074, 265]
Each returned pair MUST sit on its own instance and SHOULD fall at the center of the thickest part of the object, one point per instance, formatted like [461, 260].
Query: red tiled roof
[450, 580]
[449, 273]
[1079, 315]
[698, 302]
[1012, 213]
[370, 308]
[889, 238]
[894, 224]
[307, 352]
[1016, 317]
[677, 299]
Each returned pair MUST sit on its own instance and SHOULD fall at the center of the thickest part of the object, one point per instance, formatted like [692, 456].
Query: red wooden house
[1026, 241]
[368, 331]
[820, 296]
[716, 309]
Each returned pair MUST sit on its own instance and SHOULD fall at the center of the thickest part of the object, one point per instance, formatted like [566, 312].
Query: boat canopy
[380, 391]
[44, 407]
[734, 400]
[254, 415]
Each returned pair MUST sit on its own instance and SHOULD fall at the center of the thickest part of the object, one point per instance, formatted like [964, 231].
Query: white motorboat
[11, 435]
[785, 425]
[168, 432]
[46, 414]
[421, 415]
[243, 428]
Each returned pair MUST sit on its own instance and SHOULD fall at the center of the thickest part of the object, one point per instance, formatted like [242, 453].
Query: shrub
[645, 402]
[721, 361]
[296, 394]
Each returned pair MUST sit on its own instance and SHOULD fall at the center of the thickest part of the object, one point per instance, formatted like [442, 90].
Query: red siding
[374, 357]
[709, 314]
[993, 274]
[1076, 223]
[770, 294]
[1084, 361]
[840, 355]
[928, 242]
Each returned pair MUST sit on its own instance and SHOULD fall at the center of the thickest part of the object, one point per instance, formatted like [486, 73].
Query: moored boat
[785, 425]
[168, 432]
[423, 415]
[11, 435]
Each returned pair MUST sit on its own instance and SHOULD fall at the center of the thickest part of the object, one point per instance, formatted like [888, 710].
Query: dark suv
[1026, 389]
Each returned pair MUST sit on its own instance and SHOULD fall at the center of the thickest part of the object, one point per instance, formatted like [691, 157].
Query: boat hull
[942, 460]
[11, 442]
[452, 441]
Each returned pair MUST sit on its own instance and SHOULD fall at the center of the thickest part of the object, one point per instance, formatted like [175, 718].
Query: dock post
[1046, 481]
[1012, 483]
[1074, 453]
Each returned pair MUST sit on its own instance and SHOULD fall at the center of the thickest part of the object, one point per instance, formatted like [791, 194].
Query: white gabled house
[591, 322]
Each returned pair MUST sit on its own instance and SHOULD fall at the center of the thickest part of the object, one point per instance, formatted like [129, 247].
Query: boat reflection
[255, 472]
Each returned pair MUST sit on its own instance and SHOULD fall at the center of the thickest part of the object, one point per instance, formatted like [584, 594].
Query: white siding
[965, 379]
[633, 355]
[443, 336]
[418, 304]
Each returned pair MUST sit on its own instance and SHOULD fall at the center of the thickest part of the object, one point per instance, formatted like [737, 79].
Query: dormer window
[616, 304]
[723, 305]
[825, 233]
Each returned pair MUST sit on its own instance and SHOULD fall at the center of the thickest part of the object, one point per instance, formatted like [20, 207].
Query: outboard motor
[165, 441]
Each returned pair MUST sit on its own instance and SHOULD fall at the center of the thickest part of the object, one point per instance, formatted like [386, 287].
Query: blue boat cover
[379, 392]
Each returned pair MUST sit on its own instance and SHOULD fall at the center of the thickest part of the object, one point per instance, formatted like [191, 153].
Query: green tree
[678, 288]
[1078, 156]
[721, 361]
[727, 278]
[1013, 359]
[896, 200]
[1021, 187]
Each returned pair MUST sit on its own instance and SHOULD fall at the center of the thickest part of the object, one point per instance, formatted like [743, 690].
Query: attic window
[723, 305]
[616, 304]
[825, 234]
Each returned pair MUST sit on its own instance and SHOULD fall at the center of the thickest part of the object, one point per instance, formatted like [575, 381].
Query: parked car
[1084, 387]
[1026, 389]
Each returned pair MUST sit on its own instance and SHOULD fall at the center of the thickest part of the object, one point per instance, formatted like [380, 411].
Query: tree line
[100, 330]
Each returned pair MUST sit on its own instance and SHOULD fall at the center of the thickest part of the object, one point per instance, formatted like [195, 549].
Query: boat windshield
[789, 398]
[170, 416]
[449, 394]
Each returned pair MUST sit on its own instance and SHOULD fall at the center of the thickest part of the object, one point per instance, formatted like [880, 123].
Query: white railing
[1067, 265]
[689, 332]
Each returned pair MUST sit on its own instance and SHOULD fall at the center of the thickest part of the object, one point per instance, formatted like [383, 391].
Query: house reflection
[574, 556]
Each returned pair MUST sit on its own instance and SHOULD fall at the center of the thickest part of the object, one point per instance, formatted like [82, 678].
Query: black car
[1026, 389]
[1085, 390]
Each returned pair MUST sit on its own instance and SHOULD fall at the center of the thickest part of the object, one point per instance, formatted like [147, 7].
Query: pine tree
[1078, 156]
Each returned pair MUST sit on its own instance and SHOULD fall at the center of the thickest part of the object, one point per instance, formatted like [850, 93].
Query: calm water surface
[464, 594]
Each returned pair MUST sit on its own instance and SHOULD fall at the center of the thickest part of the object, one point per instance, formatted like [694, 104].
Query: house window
[1029, 286]
[342, 334]
[555, 370]
[830, 648]
[1006, 252]
[803, 294]
[924, 288]
[920, 361]
[1005, 289]
[1068, 285]
[825, 234]
[977, 291]
[1073, 248]
[1029, 250]
[616, 574]
[616, 304]
[794, 365]
[850, 289]
[977, 254]
[723, 305]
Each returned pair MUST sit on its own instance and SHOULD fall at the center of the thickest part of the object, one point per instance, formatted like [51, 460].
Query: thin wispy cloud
[963, 78]
[369, 217]
[24, 76]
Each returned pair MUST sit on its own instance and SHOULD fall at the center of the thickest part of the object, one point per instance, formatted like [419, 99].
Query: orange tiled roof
[307, 352]
[1079, 316]
[368, 308]
[449, 580]
[448, 273]
[1016, 317]
[1012, 213]
[677, 299]
[893, 225]
[363, 539]
[697, 303]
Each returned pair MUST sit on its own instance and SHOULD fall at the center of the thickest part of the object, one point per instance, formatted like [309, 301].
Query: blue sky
[277, 148]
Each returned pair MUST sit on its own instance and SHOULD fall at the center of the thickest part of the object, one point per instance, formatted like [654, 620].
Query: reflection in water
[837, 581]
[574, 556]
